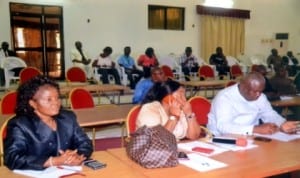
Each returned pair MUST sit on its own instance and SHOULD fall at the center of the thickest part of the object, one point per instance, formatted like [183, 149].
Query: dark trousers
[2, 79]
[186, 71]
[104, 75]
[133, 78]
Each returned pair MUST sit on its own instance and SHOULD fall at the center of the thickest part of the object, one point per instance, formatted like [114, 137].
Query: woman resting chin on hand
[165, 104]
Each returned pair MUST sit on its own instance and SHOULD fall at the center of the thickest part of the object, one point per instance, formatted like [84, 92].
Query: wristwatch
[172, 118]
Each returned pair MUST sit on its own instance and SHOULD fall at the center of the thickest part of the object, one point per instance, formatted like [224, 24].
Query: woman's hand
[68, 157]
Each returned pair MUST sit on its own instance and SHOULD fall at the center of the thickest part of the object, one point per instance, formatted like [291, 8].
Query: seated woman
[165, 104]
[42, 134]
[147, 61]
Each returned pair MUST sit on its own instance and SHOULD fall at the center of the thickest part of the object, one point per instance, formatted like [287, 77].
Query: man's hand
[266, 128]
[290, 127]
[86, 62]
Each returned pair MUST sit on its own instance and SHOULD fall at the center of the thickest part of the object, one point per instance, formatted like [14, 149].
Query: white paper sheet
[50, 172]
[281, 136]
[201, 163]
[190, 145]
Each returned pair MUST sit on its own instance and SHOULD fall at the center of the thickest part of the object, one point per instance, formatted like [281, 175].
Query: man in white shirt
[107, 66]
[244, 109]
[81, 59]
[189, 63]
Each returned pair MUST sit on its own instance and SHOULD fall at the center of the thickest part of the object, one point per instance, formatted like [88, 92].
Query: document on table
[281, 136]
[201, 163]
[50, 172]
[234, 147]
[190, 145]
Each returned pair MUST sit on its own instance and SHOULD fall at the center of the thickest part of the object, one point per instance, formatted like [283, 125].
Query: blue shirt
[126, 61]
[141, 89]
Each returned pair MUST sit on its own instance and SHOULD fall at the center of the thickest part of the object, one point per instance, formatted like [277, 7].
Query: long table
[101, 89]
[294, 101]
[103, 115]
[195, 86]
[267, 159]
[286, 103]
[114, 169]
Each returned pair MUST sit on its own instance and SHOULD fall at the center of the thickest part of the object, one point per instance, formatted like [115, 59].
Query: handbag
[153, 147]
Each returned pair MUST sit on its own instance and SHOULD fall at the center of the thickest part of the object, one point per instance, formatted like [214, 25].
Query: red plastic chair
[236, 71]
[28, 73]
[8, 103]
[201, 107]
[206, 71]
[229, 83]
[3, 132]
[81, 98]
[253, 67]
[167, 71]
[75, 74]
[131, 119]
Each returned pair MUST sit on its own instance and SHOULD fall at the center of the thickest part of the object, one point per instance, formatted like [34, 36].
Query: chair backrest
[131, 119]
[28, 73]
[253, 67]
[236, 71]
[81, 98]
[11, 62]
[3, 132]
[231, 60]
[76, 74]
[201, 107]
[167, 71]
[230, 83]
[8, 103]
[206, 71]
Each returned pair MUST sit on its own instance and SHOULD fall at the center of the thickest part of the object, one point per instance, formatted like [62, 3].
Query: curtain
[226, 32]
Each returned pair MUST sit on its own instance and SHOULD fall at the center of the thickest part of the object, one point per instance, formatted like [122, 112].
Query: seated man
[6, 52]
[127, 62]
[285, 86]
[269, 91]
[189, 63]
[244, 109]
[282, 83]
[143, 86]
[274, 59]
[291, 62]
[81, 59]
[106, 66]
[219, 60]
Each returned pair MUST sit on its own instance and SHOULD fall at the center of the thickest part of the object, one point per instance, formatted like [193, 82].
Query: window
[163, 17]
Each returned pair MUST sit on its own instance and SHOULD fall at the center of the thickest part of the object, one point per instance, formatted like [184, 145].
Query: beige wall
[124, 22]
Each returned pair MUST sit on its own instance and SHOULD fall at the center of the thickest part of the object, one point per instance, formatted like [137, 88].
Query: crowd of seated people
[163, 102]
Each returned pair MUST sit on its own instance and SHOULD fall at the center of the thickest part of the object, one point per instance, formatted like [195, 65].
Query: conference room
[43, 34]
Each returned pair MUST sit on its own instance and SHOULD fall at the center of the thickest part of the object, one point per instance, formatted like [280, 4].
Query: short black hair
[160, 90]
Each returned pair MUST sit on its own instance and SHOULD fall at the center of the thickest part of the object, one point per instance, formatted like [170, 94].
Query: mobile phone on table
[182, 156]
[94, 164]
[263, 139]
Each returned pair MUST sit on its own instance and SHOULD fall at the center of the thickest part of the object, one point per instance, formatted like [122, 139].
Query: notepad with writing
[201, 163]
[50, 172]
